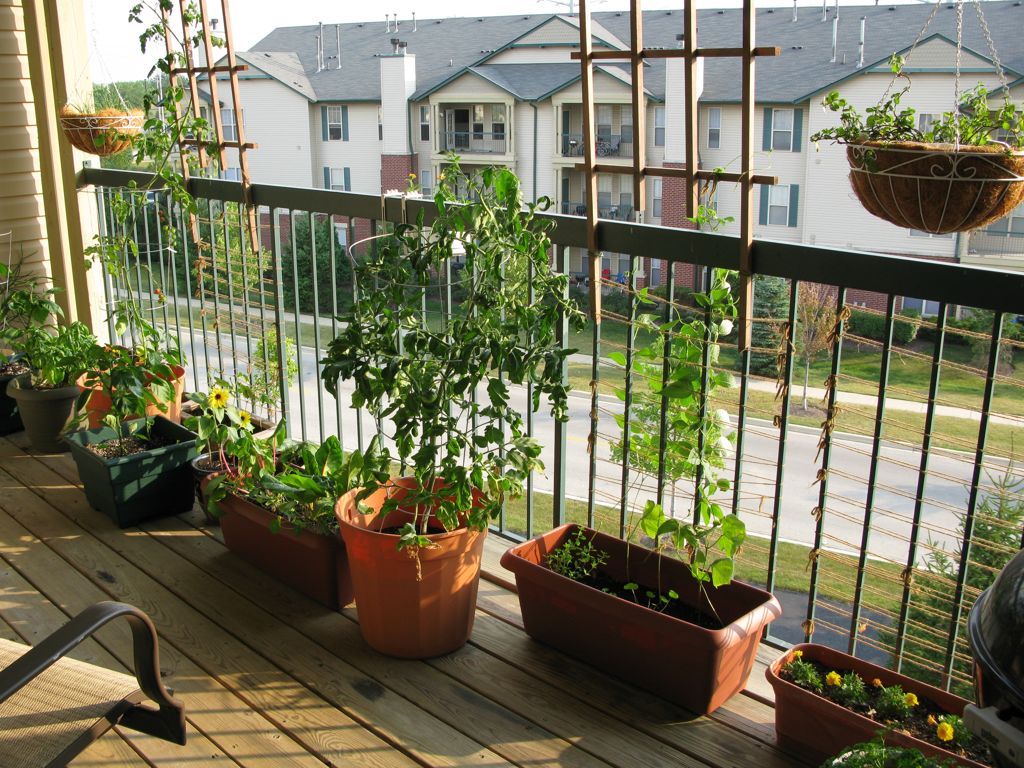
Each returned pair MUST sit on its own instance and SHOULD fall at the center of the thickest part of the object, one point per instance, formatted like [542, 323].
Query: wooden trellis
[746, 178]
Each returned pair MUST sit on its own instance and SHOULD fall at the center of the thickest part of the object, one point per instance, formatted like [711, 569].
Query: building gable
[938, 54]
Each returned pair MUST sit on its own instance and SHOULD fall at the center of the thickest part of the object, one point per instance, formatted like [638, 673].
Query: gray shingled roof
[445, 47]
[527, 81]
[284, 67]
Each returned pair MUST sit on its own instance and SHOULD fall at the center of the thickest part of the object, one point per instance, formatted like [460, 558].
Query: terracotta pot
[309, 562]
[817, 728]
[705, 666]
[398, 614]
[98, 405]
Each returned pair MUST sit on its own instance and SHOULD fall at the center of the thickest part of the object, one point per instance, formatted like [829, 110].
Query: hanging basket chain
[956, 76]
[993, 54]
[920, 36]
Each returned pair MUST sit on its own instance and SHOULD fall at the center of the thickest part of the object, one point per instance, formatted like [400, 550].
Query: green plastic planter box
[134, 488]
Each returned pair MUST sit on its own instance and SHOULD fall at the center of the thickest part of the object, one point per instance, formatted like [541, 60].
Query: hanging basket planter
[936, 188]
[102, 133]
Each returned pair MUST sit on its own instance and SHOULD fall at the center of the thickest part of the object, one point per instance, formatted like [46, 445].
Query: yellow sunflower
[219, 397]
[245, 419]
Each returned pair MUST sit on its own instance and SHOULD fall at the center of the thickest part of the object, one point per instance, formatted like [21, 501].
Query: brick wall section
[395, 170]
[673, 214]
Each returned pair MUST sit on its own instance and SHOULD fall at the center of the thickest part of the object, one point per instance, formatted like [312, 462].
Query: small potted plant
[635, 611]
[133, 467]
[953, 177]
[415, 543]
[47, 394]
[877, 754]
[848, 700]
[101, 131]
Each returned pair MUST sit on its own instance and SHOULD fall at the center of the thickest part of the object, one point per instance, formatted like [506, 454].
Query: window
[334, 122]
[427, 182]
[380, 123]
[778, 205]
[1008, 226]
[498, 121]
[659, 126]
[227, 123]
[714, 127]
[656, 192]
[925, 307]
[919, 233]
[425, 123]
[782, 129]
[478, 131]
[925, 122]
[626, 129]
[341, 235]
[231, 174]
[604, 194]
[338, 179]
[604, 122]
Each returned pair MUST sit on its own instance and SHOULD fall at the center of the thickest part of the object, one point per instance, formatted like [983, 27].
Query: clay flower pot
[400, 615]
[705, 666]
[46, 413]
[98, 405]
[816, 727]
[309, 562]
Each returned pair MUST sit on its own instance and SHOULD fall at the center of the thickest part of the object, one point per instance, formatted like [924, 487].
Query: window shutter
[798, 129]
[344, 123]
[762, 217]
[766, 144]
[323, 122]
[327, 177]
[794, 201]
[348, 180]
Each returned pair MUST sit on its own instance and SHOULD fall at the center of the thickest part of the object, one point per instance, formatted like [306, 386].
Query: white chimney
[397, 84]
[824, 10]
[675, 106]
[794, 11]
[414, 21]
[860, 45]
[337, 36]
[387, 22]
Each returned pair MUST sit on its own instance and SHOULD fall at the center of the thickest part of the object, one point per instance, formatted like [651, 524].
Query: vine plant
[467, 449]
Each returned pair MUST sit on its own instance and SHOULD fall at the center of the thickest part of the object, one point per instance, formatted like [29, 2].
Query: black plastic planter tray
[134, 488]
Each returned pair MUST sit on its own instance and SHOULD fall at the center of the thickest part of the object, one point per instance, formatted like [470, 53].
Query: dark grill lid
[997, 632]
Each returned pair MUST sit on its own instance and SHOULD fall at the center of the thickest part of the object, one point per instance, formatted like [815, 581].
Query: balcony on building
[474, 129]
[613, 129]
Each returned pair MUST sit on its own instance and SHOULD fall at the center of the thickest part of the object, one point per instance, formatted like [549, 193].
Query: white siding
[554, 31]
[939, 54]
[524, 165]
[361, 153]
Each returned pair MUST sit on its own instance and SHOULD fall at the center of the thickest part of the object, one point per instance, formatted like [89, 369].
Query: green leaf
[721, 571]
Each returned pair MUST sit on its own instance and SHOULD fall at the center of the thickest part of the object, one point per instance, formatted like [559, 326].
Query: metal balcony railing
[474, 142]
[876, 509]
[622, 212]
[608, 145]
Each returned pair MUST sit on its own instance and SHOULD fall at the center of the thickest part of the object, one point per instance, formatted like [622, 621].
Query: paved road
[897, 473]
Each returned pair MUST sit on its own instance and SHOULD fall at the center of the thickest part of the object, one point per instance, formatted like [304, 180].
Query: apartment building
[361, 106]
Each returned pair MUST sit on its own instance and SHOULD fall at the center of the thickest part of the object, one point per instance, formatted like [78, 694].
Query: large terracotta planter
[400, 615]
[817, 728]
[706, 666]
[309, 562]
[46, 413]
[98, 405]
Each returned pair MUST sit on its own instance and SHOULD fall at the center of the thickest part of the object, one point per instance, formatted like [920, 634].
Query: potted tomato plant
[614, 603]
[415, 544]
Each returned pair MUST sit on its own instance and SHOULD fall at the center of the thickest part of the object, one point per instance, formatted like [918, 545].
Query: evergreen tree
[771, 307]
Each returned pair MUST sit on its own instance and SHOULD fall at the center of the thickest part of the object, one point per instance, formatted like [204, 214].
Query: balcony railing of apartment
[876, 507]
[474, 142]
[608, 145]
[610, 212]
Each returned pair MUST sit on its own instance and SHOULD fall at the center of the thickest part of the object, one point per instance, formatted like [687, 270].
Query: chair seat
[52, 712]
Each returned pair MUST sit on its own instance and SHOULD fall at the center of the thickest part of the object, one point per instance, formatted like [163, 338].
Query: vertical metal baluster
[972, 503]
[144, 205]
[355, 298]
[282, 347]
[215, 283]
[666, 367]
[595, 382]
[160, 259]
[230, 282]
[529, 407]
[773, 547]
[298, 325]
[102, 204]
[561, 427]
[702, 401]
[263, 295]
[316, 330]
[826, 463]
[184, 232]
[334, 313]
[172, 253]
[741, 430]
[627, 401]
[244, 244]
[922, 475]
[876, 447]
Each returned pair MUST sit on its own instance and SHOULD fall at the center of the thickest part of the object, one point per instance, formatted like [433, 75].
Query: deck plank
[219, 722]
[320, 727]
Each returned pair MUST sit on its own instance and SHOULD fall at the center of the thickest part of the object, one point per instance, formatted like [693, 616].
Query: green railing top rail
[967, 285]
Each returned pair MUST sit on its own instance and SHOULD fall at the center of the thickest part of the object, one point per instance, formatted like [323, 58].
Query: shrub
[872, 326]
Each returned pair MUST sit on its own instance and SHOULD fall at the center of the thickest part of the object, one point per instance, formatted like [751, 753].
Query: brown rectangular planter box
[706, 666]
[817, 728]
[311, 563]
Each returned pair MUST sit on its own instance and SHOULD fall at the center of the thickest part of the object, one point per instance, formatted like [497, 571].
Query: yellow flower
[796, 655]
[219, 397]
[911, 699]
[245, 418]
[932, 721]
[877, 683]
[944, 732]
[833, 679]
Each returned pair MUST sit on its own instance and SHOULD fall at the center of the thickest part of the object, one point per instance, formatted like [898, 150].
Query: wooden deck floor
[271, 679]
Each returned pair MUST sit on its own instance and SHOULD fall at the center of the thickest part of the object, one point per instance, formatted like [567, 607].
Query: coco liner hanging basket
[102, 133]
[936, 188]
